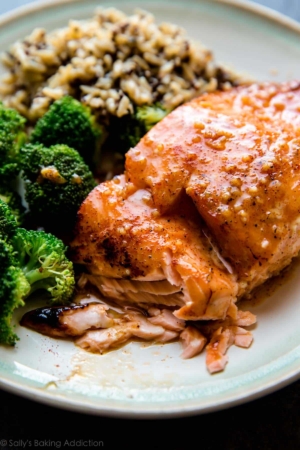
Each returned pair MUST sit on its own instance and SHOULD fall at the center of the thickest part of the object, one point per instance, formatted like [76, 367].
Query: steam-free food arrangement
[159, 187]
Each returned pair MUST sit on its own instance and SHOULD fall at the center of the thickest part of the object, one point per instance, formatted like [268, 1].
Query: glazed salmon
[208, 208]
[136, 255]
[236, 155]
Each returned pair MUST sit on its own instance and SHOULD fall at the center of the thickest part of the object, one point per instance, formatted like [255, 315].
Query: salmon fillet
[208, 209]
[236, 154]
[120, 236]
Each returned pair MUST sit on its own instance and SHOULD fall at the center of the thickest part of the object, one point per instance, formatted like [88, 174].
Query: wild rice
[112, 62]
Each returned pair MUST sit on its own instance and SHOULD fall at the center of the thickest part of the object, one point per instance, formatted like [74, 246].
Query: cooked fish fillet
[121, 236]
[67, 321]
[236, 155]
[140, 292]
[208, 208]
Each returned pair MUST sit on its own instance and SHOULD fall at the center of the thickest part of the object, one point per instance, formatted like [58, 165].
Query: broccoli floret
[41, 256]
[14, 201]
[12, 137]
[29, 261]
[69, 122]
[13, 289]
[148, 116]
[57, 180]
[8, 224]
[132, 128]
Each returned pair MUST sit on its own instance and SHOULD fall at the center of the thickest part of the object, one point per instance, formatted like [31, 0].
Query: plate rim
[47, 398]
[42, 396]
[247, 5]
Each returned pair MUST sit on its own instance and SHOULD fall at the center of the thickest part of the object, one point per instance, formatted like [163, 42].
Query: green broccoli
[41, 256]
[56, 182]
[29, 261]
[131, 128]
[148, 116]
[8, 224]
[14, 201]
[12, 137]
[13, 289]
[69, 122]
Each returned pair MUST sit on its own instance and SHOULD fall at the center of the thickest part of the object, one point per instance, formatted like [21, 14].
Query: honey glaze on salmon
[208, 208]
[236, 154]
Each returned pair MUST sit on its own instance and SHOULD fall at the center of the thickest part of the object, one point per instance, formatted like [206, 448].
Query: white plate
[153, 381]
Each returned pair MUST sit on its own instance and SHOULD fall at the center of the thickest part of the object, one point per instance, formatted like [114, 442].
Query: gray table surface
[272, 422]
